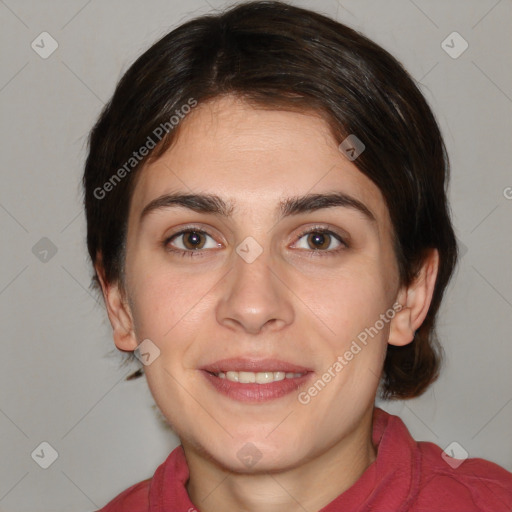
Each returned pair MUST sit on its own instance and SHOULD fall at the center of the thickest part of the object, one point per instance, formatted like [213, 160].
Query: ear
[415, 300]
[118, 312]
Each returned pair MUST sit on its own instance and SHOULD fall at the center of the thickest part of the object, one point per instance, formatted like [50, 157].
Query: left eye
[320, 240]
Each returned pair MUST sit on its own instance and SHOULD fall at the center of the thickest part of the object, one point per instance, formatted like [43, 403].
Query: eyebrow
[215, 205]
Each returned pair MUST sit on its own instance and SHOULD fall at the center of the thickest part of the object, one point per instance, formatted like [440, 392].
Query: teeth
[233, 376]
[259, 377]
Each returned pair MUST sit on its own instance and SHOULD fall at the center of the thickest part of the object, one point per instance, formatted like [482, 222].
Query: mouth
[256, 381]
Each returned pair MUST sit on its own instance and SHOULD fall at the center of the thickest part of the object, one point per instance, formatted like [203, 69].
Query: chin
[256, 455]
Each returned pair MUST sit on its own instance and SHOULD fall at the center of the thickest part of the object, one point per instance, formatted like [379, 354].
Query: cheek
[351, 300]
[169, 307]
[159, 299]
[166, 309]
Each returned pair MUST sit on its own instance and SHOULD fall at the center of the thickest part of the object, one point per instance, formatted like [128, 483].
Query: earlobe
[118, 312]
[415, 301]
[401, 331]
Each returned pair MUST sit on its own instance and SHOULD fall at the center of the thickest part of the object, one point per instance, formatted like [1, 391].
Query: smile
[255, 380]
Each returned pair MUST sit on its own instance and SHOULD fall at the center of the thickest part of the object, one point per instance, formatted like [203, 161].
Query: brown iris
[319, 238]
[194, 238]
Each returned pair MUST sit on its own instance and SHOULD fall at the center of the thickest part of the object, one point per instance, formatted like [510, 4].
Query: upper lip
[242, 364]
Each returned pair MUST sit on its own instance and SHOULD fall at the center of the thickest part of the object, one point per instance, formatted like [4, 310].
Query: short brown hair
[278, 56]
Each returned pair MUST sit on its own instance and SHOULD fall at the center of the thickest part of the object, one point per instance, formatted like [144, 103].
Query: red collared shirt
[407, 476]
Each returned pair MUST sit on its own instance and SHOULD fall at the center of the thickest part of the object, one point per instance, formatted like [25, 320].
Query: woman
[267, 219]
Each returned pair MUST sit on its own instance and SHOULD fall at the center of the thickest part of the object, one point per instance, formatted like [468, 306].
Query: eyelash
[313, 252]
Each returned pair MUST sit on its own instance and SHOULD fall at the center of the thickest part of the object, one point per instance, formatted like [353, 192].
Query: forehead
[254, 158]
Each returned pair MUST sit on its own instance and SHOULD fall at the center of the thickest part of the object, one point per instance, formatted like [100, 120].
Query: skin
[289, 304]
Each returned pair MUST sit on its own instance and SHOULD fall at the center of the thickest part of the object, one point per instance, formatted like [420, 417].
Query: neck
[309, 485]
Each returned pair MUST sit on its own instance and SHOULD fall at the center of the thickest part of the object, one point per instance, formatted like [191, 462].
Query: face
[263, 278]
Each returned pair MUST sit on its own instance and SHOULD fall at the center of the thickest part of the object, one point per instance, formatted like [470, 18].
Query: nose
[254, 296]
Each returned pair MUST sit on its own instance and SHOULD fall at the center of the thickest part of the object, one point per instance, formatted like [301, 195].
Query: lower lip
[256, 392]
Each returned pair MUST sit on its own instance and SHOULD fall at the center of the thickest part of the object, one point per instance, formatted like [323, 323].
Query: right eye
[191, 241]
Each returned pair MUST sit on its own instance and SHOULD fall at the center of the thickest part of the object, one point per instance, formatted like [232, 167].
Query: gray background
[61, 381]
